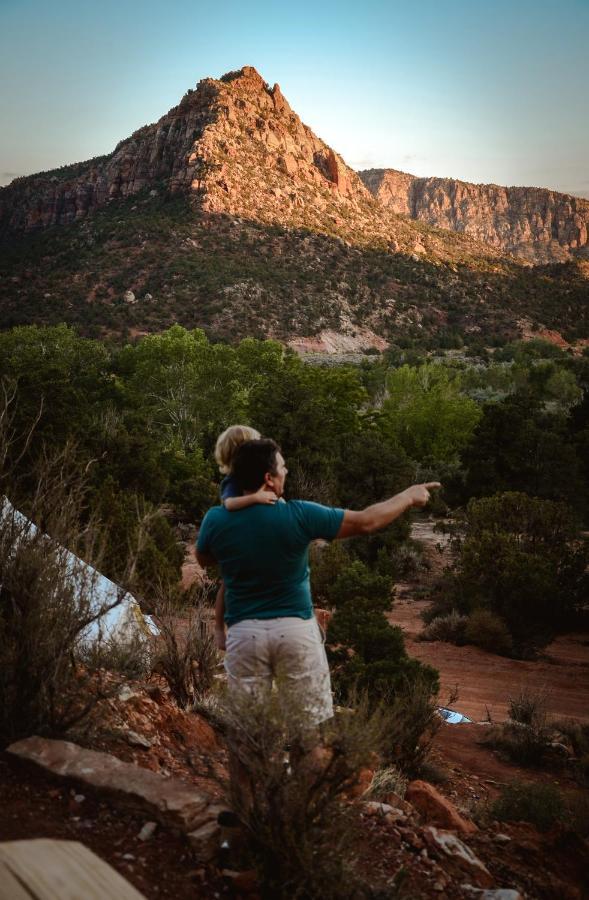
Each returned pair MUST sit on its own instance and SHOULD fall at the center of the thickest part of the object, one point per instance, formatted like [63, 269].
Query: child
[232, 499]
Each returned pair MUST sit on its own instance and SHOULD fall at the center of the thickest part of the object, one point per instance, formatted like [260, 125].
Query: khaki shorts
[288, 648]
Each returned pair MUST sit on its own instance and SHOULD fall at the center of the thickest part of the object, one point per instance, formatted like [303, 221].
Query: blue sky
[481, 91]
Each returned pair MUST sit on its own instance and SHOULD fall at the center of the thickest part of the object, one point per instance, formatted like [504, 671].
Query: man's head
[260, 464]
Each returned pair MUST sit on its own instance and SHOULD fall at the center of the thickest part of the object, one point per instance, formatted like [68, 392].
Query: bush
[449, 627]
[186, 655]
[528, 707]
[489, 632]
[521, 560]
[526, 745]
[411, 724]
[299, 831]
[358, 581]
[386, 781]
[47, 603]
[327, 562]
[540, 804]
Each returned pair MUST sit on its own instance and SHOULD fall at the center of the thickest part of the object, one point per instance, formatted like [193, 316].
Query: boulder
[446, 844]
[437, 809]
[167, 799]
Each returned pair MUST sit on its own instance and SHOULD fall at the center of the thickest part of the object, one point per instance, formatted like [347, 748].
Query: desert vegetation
[108, 448]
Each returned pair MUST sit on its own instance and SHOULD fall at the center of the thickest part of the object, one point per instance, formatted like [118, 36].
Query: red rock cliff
[535, 224]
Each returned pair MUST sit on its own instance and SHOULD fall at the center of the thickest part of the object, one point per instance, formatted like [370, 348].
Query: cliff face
[535, 224]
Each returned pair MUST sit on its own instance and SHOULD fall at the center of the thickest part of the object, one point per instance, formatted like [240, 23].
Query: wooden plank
[45, 869]
[10, 886]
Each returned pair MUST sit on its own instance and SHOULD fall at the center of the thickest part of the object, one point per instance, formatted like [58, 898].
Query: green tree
[427, 413]
[521, 559]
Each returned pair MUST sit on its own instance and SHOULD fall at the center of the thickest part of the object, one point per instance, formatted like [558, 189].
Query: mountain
[535, 224]
[232, 215]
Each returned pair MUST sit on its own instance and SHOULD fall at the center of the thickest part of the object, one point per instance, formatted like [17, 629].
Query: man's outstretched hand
[419, 494]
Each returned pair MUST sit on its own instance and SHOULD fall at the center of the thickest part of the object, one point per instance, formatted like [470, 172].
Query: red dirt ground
[486, 681]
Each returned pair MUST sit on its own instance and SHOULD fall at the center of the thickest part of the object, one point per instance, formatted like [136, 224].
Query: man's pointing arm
[379, 515]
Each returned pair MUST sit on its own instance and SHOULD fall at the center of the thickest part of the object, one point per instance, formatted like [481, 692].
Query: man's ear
[269, 479]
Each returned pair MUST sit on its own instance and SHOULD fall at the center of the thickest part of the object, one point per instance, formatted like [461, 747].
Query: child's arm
[220, 618]
[234, 503]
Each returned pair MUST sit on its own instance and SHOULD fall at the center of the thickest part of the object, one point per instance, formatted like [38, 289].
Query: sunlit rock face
[535, 224]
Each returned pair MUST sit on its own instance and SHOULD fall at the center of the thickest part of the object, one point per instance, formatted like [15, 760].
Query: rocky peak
[535, 224]
[234, 143]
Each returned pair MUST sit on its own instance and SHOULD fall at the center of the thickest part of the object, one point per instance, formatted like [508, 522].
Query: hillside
[535, 224]
[230, 214]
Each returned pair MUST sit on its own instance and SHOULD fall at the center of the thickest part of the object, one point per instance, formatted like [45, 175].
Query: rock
[497, 894]
[205, 841]
[129, 297]
[437, 809]
[373, 808]
[126, 693]
[502, 838]
[446, 843]
[147, 831]
[137, 740]
[393, 799]
[169, 800]
[363, 782]
[79, 798]
[537, 224]
[395, 815]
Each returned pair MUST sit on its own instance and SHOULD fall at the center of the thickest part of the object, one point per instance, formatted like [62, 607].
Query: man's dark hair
[252, 461]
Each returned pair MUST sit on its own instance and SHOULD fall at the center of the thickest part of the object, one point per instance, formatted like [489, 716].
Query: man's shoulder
[307, 506]
[213, 515]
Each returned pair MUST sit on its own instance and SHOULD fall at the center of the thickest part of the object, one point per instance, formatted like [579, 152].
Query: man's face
[276, 482]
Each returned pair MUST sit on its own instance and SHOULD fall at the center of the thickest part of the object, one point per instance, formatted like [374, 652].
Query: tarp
[453, 717]
[121, 621]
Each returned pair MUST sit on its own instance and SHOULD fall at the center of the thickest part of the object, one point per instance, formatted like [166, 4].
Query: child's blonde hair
[229, 441]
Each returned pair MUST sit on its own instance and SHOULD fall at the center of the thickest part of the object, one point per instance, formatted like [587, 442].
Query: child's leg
[220, 618]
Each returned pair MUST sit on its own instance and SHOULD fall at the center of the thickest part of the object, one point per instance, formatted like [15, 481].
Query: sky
[488, 91]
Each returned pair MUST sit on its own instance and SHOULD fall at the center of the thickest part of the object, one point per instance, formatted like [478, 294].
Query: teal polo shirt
[263, 552]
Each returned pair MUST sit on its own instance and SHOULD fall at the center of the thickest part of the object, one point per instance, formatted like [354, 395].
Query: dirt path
[484, 680]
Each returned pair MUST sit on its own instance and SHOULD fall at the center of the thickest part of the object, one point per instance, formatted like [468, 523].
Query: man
[263, 554]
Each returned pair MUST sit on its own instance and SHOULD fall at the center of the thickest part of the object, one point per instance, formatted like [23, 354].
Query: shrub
[386, 781]
[327, 563]
[488, 631]
[48, 600]
[523, 744]
[411, 724]
[186, 656]
[540, 804]
[358, 580]
[528, 707]
[449, 627]
[522, 561]
[299, 832]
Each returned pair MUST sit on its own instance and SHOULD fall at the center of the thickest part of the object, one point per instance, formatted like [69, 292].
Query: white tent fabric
[121, 619]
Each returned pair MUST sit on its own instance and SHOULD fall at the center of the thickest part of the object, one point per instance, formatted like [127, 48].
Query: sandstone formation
[204, 145]
[236, 147]
[535, 224]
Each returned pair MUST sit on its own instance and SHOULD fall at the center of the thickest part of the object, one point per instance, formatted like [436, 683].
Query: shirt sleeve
[229, 488]
[320, 521]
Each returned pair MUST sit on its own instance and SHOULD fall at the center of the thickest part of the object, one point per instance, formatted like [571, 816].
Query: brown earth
[484, 680]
